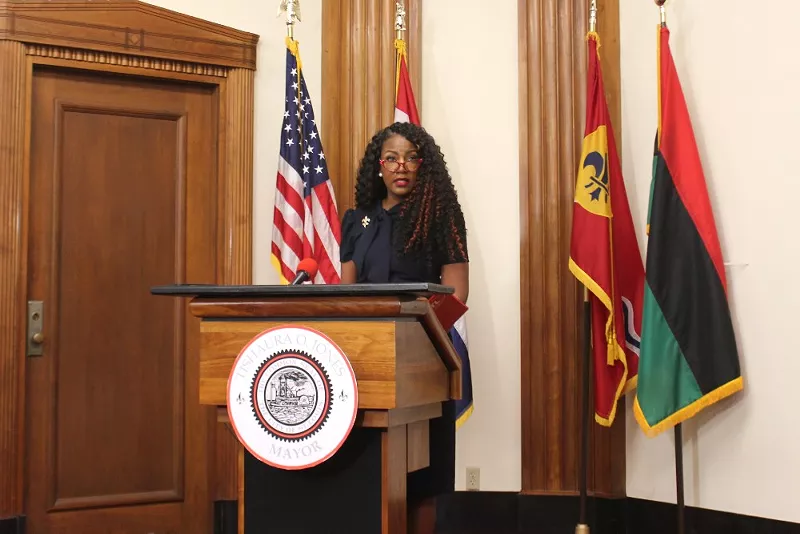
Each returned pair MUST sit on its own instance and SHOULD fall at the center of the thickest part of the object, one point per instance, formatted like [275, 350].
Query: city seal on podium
[292, 397]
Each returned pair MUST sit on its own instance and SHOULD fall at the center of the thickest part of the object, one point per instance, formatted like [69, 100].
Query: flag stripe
[701, 325]
[285, 270]
[324, 263]
[326, 205]
[291, 221]
[287, 256]
[290, 187]
[464, 407]
[400, 116]
[678, 144]
[319, 199]
[664, 396]
[309, 242]
[288, 237]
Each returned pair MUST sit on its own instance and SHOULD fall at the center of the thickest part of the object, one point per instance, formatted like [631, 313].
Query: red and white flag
[405, 108]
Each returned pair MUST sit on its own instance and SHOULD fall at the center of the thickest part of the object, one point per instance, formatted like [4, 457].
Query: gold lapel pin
[365, 222]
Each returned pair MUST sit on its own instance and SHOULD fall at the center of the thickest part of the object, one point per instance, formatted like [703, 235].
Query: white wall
[740, 74]
[259, 17]
[470, 106]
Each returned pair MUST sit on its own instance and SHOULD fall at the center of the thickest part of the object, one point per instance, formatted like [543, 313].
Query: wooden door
[122, 197]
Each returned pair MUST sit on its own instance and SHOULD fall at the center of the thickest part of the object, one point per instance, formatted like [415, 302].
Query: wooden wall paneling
[549, 87]
[608, 29]
[414, 43]
[358, 80]
[130, 37]
[13, 242]
[552, 61]
[237, 232]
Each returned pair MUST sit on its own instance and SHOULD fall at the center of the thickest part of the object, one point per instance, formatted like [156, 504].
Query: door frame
[125, 37]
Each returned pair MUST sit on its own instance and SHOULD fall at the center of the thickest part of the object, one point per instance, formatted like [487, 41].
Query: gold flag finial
[292, 10]
[400, 19]
[593, 16]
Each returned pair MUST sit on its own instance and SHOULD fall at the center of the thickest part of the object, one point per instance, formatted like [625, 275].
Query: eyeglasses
[410, 165]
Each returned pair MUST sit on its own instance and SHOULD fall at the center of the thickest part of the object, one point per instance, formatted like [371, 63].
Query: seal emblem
[292, 397]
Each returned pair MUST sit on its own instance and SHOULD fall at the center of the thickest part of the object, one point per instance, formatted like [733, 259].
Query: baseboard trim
[514, 513]
[658, 517]
[12, 525]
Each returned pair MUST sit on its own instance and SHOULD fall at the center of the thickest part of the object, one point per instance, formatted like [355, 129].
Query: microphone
[306, 270]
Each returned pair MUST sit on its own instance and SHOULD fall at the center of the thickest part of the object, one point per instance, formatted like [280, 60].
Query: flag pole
[663, 11]
[583, 523]
[291, 8]
[679, 476]
[399, 41]
[679, 427]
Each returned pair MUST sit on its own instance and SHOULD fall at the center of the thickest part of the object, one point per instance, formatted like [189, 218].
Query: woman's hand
[455, 275]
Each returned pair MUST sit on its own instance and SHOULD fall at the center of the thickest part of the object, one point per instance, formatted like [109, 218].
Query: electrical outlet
[473, 478]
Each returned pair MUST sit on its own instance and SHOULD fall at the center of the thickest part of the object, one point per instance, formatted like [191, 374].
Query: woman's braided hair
[430, 222]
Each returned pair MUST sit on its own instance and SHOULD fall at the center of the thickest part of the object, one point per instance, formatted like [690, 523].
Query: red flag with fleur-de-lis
[604, 253]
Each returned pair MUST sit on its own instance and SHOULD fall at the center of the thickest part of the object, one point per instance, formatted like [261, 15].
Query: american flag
[405, 110]
[306, 221]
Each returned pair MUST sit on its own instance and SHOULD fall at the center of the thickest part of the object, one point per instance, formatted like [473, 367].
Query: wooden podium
[405, 367]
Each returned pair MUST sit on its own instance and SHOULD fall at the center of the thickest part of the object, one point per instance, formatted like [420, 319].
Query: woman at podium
[408, 226]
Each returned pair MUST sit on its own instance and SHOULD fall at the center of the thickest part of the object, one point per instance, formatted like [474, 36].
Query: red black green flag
[604, 254]
[688, 357]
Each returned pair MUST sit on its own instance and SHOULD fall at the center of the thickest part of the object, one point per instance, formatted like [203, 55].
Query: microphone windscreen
[308, 265]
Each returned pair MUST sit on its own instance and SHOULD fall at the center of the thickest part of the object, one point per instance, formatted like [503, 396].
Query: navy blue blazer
[367, 240]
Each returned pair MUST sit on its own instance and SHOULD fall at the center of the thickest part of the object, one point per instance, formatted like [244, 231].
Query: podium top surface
[304, 290]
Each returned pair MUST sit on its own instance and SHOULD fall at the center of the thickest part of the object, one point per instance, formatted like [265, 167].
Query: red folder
[448, 308]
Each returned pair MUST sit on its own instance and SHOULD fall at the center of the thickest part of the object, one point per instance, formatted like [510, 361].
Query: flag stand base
[582, 529]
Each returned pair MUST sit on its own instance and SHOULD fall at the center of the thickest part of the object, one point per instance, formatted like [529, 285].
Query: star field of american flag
[306, 218]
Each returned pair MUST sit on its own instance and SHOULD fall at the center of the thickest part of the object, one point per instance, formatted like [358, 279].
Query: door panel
[123, 176]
